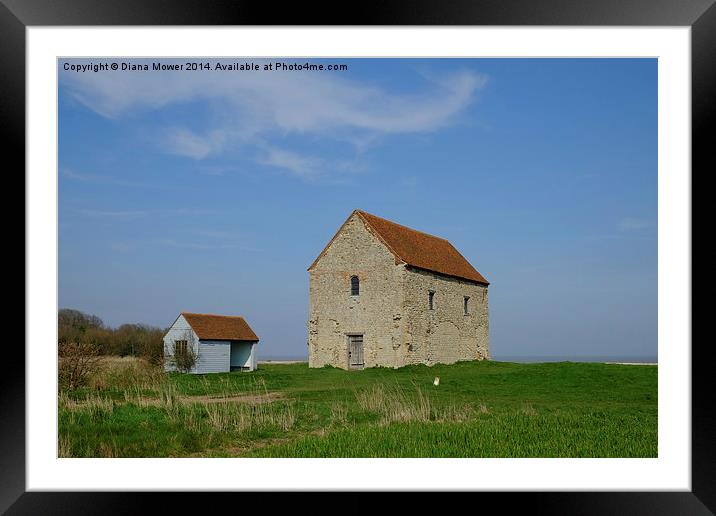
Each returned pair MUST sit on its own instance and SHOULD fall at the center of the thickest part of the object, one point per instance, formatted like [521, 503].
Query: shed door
[355, 351]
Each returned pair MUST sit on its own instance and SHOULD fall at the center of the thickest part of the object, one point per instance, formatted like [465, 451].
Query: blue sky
[214, 191]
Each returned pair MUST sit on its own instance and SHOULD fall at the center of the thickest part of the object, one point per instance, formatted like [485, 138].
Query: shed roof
[418, 249]
[220, 327]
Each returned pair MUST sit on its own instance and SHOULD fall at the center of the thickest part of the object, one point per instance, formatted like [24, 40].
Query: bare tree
[78, 360]
[185, 352]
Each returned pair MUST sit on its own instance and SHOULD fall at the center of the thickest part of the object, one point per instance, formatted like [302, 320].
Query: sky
[212, 191]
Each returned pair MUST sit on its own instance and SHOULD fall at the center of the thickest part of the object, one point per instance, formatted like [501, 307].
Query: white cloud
[302, 166]
[308, 168]
[248, 108]
[185, 143]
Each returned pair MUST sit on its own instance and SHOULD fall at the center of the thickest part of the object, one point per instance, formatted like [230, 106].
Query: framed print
[438, 249]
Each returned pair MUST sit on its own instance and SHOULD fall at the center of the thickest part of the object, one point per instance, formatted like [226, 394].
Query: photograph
[436, 248]
[357, 257]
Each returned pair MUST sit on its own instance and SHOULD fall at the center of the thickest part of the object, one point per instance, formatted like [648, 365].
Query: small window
[180, 347]
[465, 305]
[355, 286]
[431, 297]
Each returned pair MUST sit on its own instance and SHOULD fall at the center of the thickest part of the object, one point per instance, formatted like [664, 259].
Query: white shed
[221, 343]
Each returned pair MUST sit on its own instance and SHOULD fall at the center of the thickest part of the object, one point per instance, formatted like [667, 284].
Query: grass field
[479, 409]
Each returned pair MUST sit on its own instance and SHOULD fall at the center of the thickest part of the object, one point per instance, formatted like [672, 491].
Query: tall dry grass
[230, 414]
[128, 373]
[339, 414]
[396, 405]
[234, 407]
[224, 412]
[95, 406]
[64, 447]
[527, 409]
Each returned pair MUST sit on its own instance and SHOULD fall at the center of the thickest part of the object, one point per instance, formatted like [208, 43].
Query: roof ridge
[214, 315]
[401, 225]
[412, 247]
[219, 327]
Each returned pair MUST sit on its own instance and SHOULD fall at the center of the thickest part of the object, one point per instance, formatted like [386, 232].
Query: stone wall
[391, 310]
[375, 312]
[444, 334]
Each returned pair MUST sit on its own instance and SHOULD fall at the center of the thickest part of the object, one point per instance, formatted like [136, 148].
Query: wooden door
[355, 352]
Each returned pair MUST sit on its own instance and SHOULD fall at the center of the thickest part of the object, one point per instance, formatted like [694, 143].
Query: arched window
[355, 286]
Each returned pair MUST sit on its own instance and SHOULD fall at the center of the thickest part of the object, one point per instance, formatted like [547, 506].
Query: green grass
[479, 409]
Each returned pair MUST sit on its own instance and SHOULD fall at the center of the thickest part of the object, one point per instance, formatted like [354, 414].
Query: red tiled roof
[220, 327]
[419, 249]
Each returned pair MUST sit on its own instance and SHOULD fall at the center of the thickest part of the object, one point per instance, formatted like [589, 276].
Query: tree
[128, 339]
[152, 346]
[185, 352]
[69, 318]
[80, 338]
[78, 360]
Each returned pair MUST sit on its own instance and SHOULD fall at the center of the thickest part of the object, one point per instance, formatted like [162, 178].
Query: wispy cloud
[302, 166]
[135, 214]
[170, 242]
[102, 179]
[183, 243]
[207, 239]
[408, 181]
[184, 142]
[308, 168]
[118, 215]
[216, 233]
[122, 247]
[628, 224]
[255, 107]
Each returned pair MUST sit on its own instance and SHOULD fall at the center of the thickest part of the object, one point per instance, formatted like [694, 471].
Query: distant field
[479, 409]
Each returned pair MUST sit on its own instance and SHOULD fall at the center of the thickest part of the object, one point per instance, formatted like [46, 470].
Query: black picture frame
[17, 15]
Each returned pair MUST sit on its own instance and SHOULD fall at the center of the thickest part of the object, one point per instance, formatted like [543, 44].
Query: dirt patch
[239, 451]
[254, 399]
